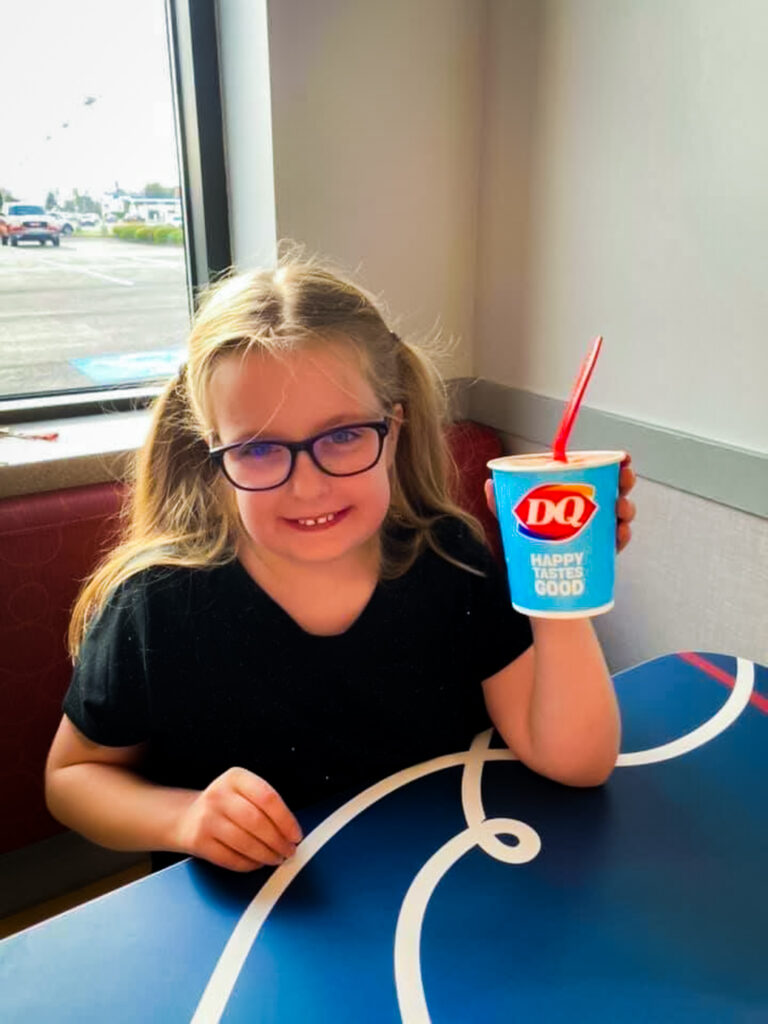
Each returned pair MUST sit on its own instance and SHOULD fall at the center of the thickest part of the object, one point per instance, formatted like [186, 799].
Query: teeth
[328, 518]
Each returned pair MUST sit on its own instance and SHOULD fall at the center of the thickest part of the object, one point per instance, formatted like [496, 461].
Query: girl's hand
[239, 822]
[625, 509]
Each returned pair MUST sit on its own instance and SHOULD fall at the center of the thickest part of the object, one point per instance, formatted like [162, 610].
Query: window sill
[89, 449]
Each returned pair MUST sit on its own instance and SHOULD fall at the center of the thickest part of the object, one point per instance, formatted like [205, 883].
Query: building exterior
[144, 208]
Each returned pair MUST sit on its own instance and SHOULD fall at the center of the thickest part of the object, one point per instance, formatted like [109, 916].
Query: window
[103, 236]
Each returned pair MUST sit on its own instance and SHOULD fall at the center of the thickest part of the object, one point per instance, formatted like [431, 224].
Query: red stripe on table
[721, 676]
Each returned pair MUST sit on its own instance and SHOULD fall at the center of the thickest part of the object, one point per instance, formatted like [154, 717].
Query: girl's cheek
[253, 513]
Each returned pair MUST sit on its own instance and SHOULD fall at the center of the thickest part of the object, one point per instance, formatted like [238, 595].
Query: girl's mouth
[323, 521]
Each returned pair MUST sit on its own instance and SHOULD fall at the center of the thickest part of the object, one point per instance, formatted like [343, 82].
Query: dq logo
[555, 511]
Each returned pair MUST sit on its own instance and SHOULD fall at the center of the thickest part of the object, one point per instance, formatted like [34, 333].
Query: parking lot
[89, 297]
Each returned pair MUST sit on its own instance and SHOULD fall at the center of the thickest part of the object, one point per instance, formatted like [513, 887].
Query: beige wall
[375, 110]
[634, 133]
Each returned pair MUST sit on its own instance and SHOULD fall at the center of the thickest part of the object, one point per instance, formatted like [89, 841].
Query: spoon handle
[572, 408]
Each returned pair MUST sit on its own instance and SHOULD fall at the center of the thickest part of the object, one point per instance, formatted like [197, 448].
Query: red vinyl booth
[49, 543]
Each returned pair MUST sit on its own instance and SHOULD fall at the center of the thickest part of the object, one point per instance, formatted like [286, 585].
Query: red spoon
[572, 408]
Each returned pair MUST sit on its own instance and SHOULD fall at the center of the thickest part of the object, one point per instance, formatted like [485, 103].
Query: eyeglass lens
[342, 452]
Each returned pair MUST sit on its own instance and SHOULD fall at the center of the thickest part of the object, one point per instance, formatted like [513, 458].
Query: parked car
[31, 224]
[65, 224]
[89, 220]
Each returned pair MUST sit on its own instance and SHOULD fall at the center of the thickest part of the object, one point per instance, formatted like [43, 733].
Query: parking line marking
[149, 261]
[91, 273]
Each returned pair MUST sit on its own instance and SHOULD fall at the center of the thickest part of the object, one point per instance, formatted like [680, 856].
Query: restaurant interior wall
[376, 126]
[634, 138]
[625, 180]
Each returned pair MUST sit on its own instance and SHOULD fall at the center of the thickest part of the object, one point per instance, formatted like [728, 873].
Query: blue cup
[558, 529]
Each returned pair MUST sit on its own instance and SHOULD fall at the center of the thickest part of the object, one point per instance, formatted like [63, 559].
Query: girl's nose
[307, 481]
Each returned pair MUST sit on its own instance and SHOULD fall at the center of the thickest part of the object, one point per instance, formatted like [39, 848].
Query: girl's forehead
[289, 394]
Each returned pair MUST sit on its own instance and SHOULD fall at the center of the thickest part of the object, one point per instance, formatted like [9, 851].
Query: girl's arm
[238, 822]
[96, 791]
[555, 707]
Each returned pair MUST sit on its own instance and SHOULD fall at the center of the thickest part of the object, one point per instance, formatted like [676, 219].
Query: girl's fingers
[627, 479]
[625, 510]
[225, 857]
[490, 497]
[267, 799]
[255, 822]
[623, 536]
[246, 845]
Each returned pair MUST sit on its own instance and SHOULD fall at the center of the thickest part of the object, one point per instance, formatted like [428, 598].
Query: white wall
[375, 112]
[644, 158]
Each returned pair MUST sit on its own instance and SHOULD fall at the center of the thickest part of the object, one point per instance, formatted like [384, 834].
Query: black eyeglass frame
[294, 447]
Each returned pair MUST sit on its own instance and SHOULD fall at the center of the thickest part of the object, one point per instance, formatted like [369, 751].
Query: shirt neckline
[267, 598]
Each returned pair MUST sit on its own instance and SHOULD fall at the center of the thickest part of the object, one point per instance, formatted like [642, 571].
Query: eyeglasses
[262, 465]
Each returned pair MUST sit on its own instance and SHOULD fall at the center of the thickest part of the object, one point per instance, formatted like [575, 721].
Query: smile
[327, 518]
[317, 522]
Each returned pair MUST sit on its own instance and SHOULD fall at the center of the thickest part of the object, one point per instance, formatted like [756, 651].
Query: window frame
[193, 48]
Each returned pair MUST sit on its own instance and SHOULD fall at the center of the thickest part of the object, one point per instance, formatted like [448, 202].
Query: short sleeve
[500, 634]
[107, 696]
[497, 633]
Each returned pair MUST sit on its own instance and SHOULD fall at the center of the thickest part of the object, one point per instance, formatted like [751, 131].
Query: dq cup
[558, 529]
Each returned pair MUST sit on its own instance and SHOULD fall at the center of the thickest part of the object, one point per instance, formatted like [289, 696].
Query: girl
[299, 607]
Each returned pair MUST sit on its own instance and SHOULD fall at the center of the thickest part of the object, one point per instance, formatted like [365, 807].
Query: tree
[82, 203]
[154, 190]
[7, 196]
[50, 201]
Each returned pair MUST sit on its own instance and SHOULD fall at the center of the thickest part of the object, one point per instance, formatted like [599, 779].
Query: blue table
[465, 889]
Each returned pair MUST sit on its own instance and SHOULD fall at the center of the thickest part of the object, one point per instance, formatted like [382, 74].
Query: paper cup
[558, 529]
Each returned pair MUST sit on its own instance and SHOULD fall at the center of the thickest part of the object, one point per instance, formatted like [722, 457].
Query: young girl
[299, 608]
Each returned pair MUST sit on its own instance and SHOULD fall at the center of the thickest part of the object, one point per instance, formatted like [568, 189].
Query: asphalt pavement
[89, 297]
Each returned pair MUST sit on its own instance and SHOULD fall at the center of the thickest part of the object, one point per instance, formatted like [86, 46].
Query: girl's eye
[257, 450]
[343, 436]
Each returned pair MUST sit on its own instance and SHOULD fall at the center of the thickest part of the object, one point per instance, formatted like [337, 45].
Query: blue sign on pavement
[124, 367]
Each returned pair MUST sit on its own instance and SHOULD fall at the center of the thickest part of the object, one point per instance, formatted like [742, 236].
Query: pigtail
[178, 514]
[424, 476]
[422, 457]
[176, 499]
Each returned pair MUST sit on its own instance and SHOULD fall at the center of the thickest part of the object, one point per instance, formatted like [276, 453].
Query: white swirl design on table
[225, 974]
[738, 699]
[479, 832]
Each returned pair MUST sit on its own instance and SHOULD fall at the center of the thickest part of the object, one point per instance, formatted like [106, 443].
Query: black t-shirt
[212, 673]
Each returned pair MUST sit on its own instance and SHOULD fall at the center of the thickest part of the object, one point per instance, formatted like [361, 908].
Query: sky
[56, 54]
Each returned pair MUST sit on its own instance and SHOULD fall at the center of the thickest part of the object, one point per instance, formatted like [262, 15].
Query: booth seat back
[49, 544]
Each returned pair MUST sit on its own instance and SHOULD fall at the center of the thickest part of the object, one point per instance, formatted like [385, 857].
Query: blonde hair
[181, 510]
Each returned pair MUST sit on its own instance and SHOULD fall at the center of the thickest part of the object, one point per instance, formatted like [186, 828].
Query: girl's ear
[395, 422]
